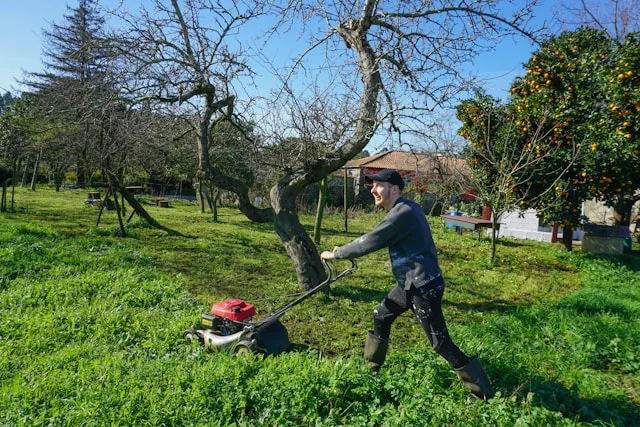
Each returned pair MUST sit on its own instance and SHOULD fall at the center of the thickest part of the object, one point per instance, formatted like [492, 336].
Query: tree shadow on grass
[504, 241]
[630, 261]
[297, 348]
[38, 233]
[489, 306]
[598, 307]
[554, 396]
[334, 232]
[363, 294]
[358, 293]
[172, 232]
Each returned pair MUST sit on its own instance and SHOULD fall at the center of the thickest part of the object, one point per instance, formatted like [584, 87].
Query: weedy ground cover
[90, 327]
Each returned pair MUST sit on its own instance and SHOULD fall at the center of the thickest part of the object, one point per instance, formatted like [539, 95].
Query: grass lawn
[91, 323]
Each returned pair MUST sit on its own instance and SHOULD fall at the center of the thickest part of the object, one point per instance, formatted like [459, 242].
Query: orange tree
[512, 165]
[615, 164]
[578, 108]
[564, 81]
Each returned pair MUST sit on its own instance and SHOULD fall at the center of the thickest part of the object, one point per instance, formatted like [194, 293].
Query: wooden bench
[94, 195]
[460, 222]
[161, 202]
[135, 189]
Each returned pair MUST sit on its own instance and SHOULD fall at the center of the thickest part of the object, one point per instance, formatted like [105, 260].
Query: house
[421, 169]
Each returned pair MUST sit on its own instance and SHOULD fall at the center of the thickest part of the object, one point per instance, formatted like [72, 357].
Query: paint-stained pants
[425, 302]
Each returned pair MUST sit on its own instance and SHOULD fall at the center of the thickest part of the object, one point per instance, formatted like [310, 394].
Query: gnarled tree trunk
[294, 237]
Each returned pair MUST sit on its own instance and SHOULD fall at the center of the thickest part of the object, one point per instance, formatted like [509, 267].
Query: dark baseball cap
[386, 175]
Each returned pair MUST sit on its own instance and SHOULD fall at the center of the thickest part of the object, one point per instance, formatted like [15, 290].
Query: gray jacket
[405, 231]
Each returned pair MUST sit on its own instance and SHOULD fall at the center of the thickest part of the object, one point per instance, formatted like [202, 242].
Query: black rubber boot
[475, 379]
[375, 350]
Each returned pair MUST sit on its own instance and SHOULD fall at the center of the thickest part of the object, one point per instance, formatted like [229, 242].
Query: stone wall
[598, 213]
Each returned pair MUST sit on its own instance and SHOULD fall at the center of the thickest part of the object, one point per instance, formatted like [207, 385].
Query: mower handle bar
[331, 277]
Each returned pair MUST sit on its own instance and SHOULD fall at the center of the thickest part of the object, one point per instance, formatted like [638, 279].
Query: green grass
[90, 327]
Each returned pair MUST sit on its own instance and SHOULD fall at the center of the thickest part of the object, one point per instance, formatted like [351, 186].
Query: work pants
[425, 303]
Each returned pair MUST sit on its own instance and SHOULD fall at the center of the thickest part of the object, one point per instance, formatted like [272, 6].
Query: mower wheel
[243, 348]
[191, 335]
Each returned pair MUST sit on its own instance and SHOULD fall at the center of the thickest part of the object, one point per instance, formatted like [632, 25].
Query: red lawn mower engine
[227, 317]
[229, 326]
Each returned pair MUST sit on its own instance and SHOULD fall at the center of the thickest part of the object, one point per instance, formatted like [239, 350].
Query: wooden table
[467, 222]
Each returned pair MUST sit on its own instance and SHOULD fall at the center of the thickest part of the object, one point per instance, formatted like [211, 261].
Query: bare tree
[318, 122]
[395, 62]
[174, 58]
[16, 143]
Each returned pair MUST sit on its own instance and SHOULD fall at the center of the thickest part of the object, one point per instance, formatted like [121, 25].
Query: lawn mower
[229, 325]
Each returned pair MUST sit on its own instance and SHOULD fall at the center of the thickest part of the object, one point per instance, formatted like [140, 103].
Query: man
[414, 263]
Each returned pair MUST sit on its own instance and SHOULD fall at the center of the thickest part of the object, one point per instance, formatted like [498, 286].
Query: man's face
[384, 194]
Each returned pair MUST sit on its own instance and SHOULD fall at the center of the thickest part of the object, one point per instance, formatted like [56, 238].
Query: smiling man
[414, 263]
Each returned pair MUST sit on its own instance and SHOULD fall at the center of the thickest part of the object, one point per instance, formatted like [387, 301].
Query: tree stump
[94, 195]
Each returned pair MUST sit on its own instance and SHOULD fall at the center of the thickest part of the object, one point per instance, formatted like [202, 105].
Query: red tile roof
[413, 162]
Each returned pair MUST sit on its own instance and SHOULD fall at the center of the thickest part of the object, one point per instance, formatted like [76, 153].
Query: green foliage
[589, 82]
[615, 167]
[563, 81]
[493, 144]
[6, 100]
[16, 124]
[90, 328]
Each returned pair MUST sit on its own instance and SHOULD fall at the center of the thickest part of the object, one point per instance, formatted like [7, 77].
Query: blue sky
[21, 24]
[22, 21]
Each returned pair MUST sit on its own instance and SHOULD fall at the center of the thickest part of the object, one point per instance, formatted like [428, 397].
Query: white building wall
[524, 225]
